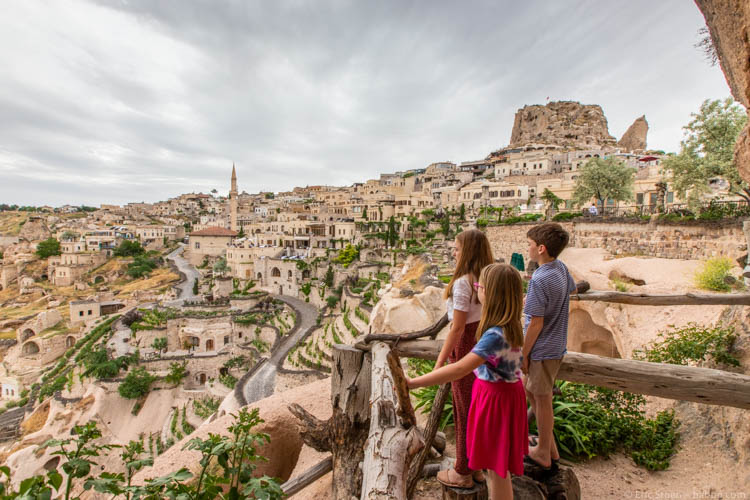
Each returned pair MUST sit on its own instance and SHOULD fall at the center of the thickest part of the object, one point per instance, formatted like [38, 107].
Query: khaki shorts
[541, 377]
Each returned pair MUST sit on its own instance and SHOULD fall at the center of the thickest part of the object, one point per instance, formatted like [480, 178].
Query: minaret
[233, 202]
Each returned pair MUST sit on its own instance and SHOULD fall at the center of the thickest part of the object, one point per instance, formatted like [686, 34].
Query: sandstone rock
[615, 274]
[564, 123]
[35, 229]
[42, 321]
[728, 23]
[634, 138]
[397, 314]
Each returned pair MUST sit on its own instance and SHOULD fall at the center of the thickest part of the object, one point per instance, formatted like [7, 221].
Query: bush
[713, 275]
[48, 248]
[593, 421]
[206, 407]
[692, 342]
[177, 371]
[426, 395]
[332, 300]
[136, 384]
[228, 380]
[129, 248]
[566, 216]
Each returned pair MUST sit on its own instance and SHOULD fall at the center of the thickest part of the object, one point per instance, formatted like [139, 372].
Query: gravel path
[261, 384]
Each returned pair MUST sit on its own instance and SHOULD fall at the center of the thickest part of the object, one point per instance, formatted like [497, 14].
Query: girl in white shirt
[472, 252]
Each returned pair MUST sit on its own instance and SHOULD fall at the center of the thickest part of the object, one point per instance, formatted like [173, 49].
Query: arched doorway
[70, 341]
[202, 378]
[209, 345]
[275, 273]
[260, 276]
[289, 275]
[27, 334]
[29, 349]
[306, 274]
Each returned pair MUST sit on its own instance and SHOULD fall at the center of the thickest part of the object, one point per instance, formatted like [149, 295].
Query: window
[89, 312]
[80, 313]
[197, 245]
[226, 339]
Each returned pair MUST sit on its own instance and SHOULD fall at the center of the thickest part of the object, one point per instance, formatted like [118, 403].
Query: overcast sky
[128, 100]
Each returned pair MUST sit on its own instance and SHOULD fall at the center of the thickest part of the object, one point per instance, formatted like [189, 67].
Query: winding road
[261, 383]
[191, 274]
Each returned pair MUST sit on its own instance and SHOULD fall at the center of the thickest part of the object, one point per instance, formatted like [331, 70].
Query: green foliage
[332, 300]
[604, 179]
[708, 150]
[391, 234]
[347, 255]
[48, 248]
[177, 371]
[160, 344]
[196, 290]
[620, 286]
[520, 218]
[714, 274]
[301, 265]
[129, 248]
[551, 199]
[593, 421]
[462, 212]
[136, 384]
[426, 395]
[206, 407]
[228, 380]
[221, 266]
[566, 216]
[142, 266]
[328, 280]
[692, 342]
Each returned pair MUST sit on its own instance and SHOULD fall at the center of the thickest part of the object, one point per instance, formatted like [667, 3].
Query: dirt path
[190, 272]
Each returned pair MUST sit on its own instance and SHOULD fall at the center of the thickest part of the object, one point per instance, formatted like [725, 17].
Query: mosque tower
[233, 202]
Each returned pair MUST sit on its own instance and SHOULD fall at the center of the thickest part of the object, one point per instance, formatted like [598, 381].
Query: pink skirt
[497, 434]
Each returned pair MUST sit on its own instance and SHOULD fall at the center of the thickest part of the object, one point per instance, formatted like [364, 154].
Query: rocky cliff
[564, 123]
[728, 22]
[634, 138]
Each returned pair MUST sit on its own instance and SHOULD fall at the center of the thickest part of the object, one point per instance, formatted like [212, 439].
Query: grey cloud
[318, 92]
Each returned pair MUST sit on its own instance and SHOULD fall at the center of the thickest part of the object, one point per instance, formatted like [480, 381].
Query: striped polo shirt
[549, 297]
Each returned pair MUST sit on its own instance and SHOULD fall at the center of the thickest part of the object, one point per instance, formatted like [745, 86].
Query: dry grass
[159, 278]
[85, 403]
[36, 421]
[10, 222]
[413, 274]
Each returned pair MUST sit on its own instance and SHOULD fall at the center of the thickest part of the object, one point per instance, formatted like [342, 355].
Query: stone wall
[671, 241]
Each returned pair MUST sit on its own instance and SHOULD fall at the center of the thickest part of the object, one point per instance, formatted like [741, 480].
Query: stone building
[209, 242]
[86, 310]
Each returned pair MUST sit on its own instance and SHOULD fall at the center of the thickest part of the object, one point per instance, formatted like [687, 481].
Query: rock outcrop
[728, 23]
[35, 229]
[563, 123]
[634, 138]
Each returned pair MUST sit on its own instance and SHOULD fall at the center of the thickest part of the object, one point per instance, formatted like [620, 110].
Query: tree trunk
[394, 439]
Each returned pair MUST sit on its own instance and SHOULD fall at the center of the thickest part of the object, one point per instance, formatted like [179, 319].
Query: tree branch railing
[644, 299]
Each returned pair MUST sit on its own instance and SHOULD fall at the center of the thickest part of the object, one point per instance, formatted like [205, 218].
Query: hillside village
[215, 302]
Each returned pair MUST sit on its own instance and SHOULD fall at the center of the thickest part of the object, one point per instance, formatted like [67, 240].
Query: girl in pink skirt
[497, 432]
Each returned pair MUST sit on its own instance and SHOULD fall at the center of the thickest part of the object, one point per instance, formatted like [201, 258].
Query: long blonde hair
[503, 302]
[475, 254]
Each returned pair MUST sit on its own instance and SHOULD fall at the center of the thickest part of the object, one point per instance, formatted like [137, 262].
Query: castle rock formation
[563, 123]
[634, 138]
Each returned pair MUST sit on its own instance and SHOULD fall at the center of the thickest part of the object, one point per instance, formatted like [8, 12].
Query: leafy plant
[177, 371]
[136, 384]
[426, 395]
[692, 342]
[714, 274]
[48, 248]
[129, 248]
[206, 406]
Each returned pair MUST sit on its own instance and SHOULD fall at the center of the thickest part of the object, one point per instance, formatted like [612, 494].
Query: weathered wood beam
[644, 299]
[297, 484]
[430, 331]
[685, 383]
[393, 441]
[433, 422]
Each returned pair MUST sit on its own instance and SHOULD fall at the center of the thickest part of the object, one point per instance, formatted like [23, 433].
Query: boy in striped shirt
[546, 319]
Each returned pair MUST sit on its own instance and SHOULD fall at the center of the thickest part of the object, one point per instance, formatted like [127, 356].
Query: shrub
[620, 286]
[713, 275]
[206, 407]
[426, 395]
[591, 421]
[48, 248]
[566, 216]
[136, 384]
[692, 342]
[177, 371]
[129, 248]
[228, 380]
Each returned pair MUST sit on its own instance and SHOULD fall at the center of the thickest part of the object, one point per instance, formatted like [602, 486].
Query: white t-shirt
[462, 300]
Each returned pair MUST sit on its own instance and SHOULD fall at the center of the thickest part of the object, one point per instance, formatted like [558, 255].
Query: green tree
[136, 384]
[604, 179]
[445, 225]
[462, 213]
[241, 234]
[48, 248]
[551, 199]
[708, 151]
[129, 248]
[392, 234]
[177, 371]
[69, 235]
[195, 287]
[160, 344]
[221, 266]
[328, 280]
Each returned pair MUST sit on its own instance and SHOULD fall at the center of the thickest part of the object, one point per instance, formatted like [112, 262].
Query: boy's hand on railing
[525, 365]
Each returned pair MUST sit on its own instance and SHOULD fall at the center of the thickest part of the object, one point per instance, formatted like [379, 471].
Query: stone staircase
[10, 423]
